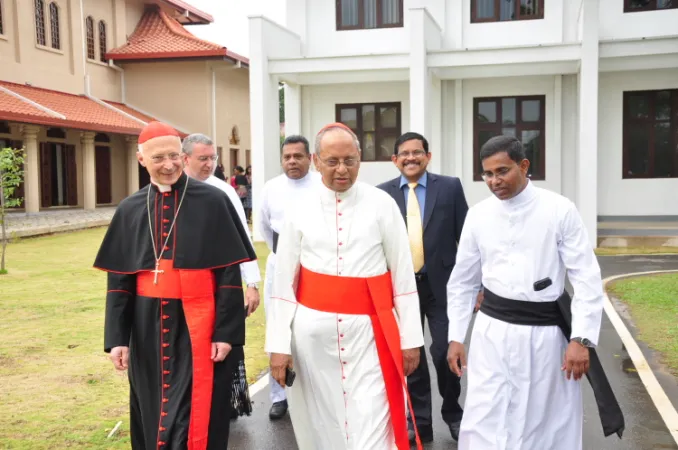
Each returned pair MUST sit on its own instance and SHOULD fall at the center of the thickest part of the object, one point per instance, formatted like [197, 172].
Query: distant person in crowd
[247, 203]
[434, 209]
[344, 310]
[277, 194]
[531, 343]
[172, 313]
[219, 172]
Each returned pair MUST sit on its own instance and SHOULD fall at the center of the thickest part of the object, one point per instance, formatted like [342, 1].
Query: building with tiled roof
[81, 79]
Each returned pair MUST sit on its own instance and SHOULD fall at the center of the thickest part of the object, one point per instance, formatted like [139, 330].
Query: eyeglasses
[416, 153]
[206, 158]
[500, 173]
[332, 162]
[160, 158]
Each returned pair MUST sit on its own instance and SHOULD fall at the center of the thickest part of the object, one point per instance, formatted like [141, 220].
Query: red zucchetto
[335, 125]
[156, 129]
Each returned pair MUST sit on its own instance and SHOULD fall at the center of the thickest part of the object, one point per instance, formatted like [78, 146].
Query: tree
[281, 102]
[11, 176]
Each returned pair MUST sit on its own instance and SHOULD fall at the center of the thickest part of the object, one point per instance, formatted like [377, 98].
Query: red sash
[195, 288]
[373, 297]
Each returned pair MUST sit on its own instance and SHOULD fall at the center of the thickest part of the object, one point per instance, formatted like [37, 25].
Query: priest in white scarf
[344, 311]
[523, 387]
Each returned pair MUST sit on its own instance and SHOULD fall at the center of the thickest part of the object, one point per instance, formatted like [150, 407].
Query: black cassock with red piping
[179, 397]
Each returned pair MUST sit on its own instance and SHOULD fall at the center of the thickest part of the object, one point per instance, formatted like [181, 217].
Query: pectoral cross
[156, 272]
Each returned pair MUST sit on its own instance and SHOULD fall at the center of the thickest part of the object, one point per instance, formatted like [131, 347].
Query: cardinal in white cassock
[344, 308]
[523, 388]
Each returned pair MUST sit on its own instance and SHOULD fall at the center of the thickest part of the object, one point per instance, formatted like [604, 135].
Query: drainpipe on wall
[112, 65]
[84, 51]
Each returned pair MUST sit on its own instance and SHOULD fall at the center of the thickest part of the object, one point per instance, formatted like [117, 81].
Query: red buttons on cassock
[166, 248]
[165, 220]
[161, 443]
[339, 214]
[165, 234]
[165, 330]
[165, 207]
[166, 372]
[341, 243]
[167, 194]
[164, 414]
[165, 345]
[341, 335]
[166, 386]
[165, 316]
[165, 358]
[162, 428]
[165, 302]
[165, 400]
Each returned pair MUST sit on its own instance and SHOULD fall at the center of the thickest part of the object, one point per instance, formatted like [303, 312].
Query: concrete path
[645, 429]
[56, 221]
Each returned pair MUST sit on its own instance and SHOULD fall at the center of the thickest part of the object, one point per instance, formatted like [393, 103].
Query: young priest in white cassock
[277, 194]
[523, 387]
[344, 309]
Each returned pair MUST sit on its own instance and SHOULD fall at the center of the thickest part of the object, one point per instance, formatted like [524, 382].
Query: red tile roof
[65, 110]
[158, 36]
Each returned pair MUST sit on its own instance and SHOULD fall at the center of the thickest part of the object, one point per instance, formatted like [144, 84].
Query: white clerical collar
[162, 187]
[331, 194]
[527, 194]
[301, 180]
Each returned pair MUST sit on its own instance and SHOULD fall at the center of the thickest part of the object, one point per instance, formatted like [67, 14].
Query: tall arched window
[102, 41]
[54, 24]
[40, 22]
[89, 26]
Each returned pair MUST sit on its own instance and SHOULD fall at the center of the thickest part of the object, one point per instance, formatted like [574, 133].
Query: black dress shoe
[278, 410]
[426, 436]
[454, 430]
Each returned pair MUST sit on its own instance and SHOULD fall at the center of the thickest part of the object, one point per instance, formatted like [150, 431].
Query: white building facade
[589, 86]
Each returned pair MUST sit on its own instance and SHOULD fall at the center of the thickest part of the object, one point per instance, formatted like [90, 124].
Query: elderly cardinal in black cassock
[175, 306]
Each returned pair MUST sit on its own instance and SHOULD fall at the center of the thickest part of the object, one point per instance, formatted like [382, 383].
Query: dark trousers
[419, 382]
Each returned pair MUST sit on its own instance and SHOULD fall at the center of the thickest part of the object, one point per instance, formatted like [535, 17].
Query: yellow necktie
[414, 229]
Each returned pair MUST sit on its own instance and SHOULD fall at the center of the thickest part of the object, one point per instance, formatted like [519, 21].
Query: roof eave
[193, 15]
[155, 56]
[55, 122]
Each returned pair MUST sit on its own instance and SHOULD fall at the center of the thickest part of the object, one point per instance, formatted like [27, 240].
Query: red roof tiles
[65, 110]
[158, 36]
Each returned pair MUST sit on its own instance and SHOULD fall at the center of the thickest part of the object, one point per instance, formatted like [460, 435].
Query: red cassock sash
[371, 296]
[195, 288]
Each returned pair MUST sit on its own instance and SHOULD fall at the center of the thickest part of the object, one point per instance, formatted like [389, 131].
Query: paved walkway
[54, 221]
[645, 430]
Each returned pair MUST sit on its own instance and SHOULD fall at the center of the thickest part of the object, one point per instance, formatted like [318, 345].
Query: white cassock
[248, 270]
[338, 401]
[276, 196]
[517, 396]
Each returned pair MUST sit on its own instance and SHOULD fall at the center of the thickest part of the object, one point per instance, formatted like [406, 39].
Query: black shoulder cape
[209, 233]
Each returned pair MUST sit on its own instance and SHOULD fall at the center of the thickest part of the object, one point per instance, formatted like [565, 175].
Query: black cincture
[275, 242]
[558, 313]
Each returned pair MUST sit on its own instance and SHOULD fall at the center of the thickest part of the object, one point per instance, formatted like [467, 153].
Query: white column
[31, 169]
[264, 124]
[89, 180]
[587, 158]
[292, 109]
[132, 164]
[459, 132]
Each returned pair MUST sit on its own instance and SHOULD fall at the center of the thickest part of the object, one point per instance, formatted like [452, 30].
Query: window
[650, 134]
[2, 31]
[89, 26]
[40, 22]
[102, 41]
[367, 14]
[54, 24]
[503, 10]
[522, 117]
[377, 126]
[649, 5]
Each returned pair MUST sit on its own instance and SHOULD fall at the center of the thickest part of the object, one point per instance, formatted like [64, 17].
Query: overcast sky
[230, 27]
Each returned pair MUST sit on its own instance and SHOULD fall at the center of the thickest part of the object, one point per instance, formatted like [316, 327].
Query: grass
[611, 251]
[653, 303]
[57, 387]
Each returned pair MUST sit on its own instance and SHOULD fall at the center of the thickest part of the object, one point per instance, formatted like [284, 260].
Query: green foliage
[11, 176]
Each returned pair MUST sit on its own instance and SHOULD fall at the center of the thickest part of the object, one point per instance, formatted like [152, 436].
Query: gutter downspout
[123, 87]
[84, 51]
[214, 108]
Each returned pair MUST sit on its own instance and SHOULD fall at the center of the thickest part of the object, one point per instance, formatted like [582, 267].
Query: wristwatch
[254, 285]
[583, 341]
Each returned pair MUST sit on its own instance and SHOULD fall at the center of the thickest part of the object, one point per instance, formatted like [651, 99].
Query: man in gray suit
[434, 208]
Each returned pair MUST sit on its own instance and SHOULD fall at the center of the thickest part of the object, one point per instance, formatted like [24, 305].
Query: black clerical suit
[177, 392]
[444, 211]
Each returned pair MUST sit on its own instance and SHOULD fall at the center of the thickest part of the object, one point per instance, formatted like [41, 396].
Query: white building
[591, 86]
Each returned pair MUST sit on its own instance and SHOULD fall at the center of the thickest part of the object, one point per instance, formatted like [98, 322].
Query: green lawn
[653, 303]
[57, 387]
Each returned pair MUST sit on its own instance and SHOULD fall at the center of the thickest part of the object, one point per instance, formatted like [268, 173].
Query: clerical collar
[167, 188]
[527, 194]
[332, 194]
[301, 180]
